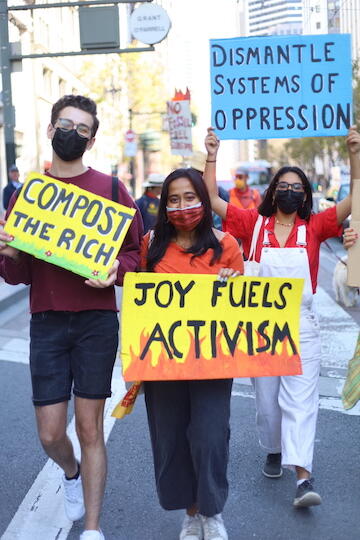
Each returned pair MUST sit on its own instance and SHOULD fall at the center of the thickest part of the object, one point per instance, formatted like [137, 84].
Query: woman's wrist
[211, 161]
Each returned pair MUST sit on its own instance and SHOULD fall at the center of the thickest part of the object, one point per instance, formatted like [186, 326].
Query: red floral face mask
[186, 219]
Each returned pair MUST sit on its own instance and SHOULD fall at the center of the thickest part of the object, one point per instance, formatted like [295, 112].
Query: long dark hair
[164, 231]
[268, 206]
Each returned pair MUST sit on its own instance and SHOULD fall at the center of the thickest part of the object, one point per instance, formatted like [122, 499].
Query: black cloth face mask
[68, 145]
[289, 201]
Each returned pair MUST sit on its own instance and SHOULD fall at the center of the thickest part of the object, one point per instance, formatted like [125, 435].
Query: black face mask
[68, 145]
[289, 201]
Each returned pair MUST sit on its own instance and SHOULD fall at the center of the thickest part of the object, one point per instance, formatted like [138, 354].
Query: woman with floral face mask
[288, 245]
[189, 420]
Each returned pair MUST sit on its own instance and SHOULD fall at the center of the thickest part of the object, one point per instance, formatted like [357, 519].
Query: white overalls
[287, 406]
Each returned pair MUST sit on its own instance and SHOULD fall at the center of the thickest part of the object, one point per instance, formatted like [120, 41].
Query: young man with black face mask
[74, 324]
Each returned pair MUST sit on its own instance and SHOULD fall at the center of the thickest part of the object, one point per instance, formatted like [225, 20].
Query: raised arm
[343, 208]
[212, 146]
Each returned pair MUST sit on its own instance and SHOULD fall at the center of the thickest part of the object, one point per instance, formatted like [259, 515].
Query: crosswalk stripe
[41, 515]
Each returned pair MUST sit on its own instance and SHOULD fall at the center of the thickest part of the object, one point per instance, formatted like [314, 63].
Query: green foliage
[122, 82]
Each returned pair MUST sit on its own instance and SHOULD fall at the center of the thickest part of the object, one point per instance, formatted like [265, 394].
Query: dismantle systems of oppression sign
[281, 86]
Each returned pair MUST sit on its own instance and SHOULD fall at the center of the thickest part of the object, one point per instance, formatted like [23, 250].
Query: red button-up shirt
[240, 223]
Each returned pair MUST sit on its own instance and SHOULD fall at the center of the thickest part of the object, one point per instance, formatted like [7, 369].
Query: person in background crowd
[242, 195]
[74, 325]
[197, 162]
[12, 185]
[189, 420]
[148, 203]
[288, 246]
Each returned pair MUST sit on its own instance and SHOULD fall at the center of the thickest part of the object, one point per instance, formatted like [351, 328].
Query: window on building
[47, 75]
[62, 87]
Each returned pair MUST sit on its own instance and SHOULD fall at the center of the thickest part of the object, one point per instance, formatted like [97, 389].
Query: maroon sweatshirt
[57, 289]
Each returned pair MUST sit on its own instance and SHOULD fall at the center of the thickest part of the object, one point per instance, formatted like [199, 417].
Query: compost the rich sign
[281, 86]
[68, 226]
[191, 326]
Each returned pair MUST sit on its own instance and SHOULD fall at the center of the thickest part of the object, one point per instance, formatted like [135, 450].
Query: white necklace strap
[301, 236]
[266, 241]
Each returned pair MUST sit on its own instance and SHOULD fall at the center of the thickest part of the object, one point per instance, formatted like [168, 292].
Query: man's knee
[51, 437]
[89, 433]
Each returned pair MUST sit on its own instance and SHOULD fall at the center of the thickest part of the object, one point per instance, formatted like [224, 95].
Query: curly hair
[79, 102]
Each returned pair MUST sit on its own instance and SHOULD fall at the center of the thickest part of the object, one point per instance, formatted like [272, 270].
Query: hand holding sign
[353, 141]
[103, 283]
[226, 273]
[212, 143]
[5, 238]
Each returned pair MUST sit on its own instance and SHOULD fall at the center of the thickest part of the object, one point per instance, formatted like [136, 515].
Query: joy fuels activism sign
[188, 326]
[68, 226]
[281, 86]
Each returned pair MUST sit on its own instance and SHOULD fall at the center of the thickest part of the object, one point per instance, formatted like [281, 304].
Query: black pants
[189, 428]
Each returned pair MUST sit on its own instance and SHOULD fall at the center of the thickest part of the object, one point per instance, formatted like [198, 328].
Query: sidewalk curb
[10, 294]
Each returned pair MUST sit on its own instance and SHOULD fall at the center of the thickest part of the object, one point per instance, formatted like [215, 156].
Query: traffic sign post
[130, 136]
[7, 58]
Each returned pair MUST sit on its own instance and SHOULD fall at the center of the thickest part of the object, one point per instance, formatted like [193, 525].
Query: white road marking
[15, 350]
[328, 403]
[12, 311]
[41, 514]
[338, 331]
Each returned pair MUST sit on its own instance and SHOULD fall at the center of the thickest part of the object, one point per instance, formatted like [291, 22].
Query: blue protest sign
[281, 86]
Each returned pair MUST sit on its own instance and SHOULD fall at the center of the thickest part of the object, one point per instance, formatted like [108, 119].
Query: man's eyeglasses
[240, 176]
[284, 186]
[65, 124]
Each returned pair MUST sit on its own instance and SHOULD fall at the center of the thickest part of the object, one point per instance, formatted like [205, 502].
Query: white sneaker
[92, 535]
[214, 528]
[73, 498]
[191, 528]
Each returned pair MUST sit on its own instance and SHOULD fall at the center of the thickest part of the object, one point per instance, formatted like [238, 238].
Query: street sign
[130, 136]
[130, 149]
[149, 24]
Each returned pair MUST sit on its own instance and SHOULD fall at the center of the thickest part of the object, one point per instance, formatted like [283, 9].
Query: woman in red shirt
[189, 420]
[287, 245]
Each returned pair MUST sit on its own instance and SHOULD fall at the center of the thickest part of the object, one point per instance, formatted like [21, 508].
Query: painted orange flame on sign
[190, 326]
[180, 96]
[223, 366]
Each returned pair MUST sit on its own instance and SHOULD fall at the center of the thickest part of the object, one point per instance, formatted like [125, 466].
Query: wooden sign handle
[353, 265]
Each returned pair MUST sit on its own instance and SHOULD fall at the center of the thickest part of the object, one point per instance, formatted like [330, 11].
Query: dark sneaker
[306, 496]
[272, 467]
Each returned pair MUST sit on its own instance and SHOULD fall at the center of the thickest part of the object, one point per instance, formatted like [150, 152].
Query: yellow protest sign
[191, 326]
[68, 226]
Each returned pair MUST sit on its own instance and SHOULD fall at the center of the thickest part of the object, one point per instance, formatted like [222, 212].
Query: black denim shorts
[72, 349]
